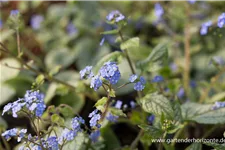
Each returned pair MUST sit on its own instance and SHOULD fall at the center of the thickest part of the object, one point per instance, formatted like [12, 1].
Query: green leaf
[216, 145]
[115, 56]
[76, 101]
[54, 70]
[217, 97]
[7, 73]
[203, 113]
[62, 57]
[40, 79]
[50, 93]
[55, 118]
[112, 93]
[177, 111]
[194, 146]
[110, 139]
[66, 110]
[155, 59]
[100, 103]
[117, 112]
[157, 104]
[3, 124]
[133, 42]
[152, 131]
[115, 31]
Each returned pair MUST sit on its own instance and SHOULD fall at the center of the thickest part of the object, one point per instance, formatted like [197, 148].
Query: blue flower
[71, 29]
[218, 105]
[40, 109]
[36, 21]
[1, 23]
[133, 78]
[157, 79]
[173, 67]
[132, 104]
[151, 119]
[95, 117]
[14, 13]
[181, 93]
[86, 72]
[10, 133]
[193, 84]
[219, 60]
[96, 82]
[158, 11]
[115, 15]
[66, 135]
[102, 41]
[191, 1]
[21, 134]
[110, 72]
[111, 117]
[118, 104]
[142, 80]
[33, 101]
[204, 27]
[95, 135]
[53, 143]
[221, 20]
[76, 121]
[139, 86]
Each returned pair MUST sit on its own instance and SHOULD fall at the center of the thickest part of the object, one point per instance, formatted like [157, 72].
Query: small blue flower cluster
[218, 105]
[36, 21]
[221, 20]
[32, 101]
[151, 119]
[108, 71]
[14, 133]
[118, 104]
[158, 11]
[219, 60]
[14, 13]
[191, 1]
[139, 84]
[115, 15]
[204, 27]
[111, 117]
[157, 79]
[95, 117]
[71, 29]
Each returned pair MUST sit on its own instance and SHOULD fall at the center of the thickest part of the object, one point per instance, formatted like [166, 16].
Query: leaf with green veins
[115, 31]
[177, 111]
[157, 104]
[194, 146]
[155, 59]
[130, 43]
[216, 145]
[117, 112]
[203, 113]
[152, 131]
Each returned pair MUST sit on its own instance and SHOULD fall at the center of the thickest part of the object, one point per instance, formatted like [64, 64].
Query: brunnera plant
[157, 110]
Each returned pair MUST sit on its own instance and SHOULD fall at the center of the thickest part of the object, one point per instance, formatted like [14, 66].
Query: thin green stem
[126, 54]
[136, 140]
[18, 41]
